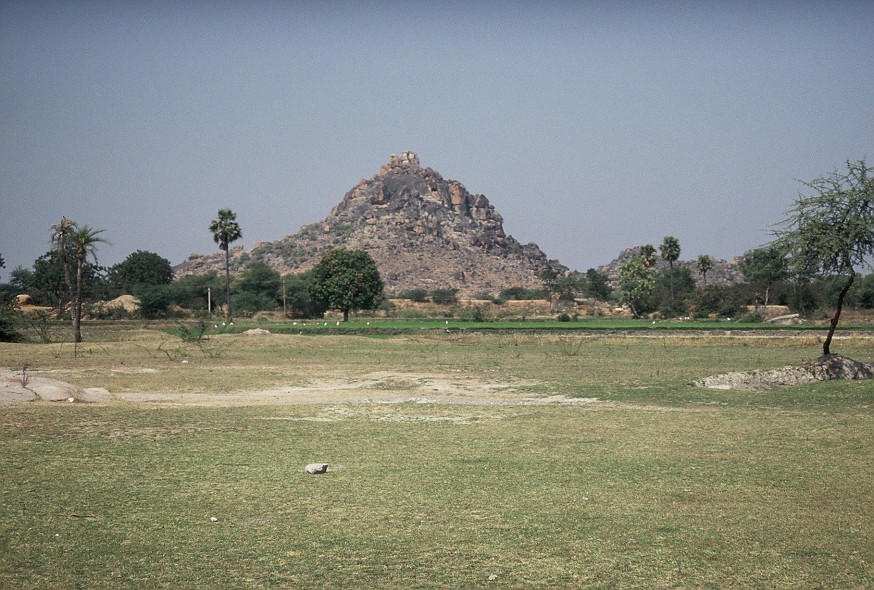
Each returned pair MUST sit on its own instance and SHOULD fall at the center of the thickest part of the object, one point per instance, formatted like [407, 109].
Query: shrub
[417, 295]
[444, 296]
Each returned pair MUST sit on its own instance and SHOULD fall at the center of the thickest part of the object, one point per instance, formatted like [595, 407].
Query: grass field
[655, 485]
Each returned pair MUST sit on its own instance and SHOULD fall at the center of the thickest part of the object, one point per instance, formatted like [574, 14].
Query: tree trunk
[673, 305]
[228, 281]
[345, 315]
[826, 346]
[76, 310]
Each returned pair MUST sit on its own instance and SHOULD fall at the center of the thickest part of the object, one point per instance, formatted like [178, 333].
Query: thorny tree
[830, 231]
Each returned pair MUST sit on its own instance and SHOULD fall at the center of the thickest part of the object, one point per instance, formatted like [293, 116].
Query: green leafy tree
[297, 296]
[45, 283]
[671, 293]
[2, 262]
[762, 267]
[140, 269]
[830, 231]
[225, 230]
[704, 265]
[20, 278]
[598, 285]
[636, 283]
[670, 250]
[648, 255]
[257, 289]
[346, 280]
[192, 291]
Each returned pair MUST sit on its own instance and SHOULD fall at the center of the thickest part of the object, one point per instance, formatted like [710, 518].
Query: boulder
[316, 468]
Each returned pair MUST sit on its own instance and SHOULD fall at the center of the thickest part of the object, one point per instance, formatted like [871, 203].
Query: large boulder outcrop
[422, 230]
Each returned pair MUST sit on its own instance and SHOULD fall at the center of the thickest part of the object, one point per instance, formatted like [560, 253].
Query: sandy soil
[373, 388]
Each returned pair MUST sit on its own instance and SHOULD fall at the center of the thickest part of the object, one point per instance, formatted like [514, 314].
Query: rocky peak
[422, 230]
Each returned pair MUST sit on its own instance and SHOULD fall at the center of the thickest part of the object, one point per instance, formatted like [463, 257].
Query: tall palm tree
[70, 238]
[704, 264]
[83, 241]
[225, 230]
[670, 250]
[62, 233]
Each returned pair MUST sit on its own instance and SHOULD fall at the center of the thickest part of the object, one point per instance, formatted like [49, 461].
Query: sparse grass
[671, 487]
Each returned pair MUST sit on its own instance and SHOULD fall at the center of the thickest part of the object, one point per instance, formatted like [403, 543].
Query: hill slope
[423, 232]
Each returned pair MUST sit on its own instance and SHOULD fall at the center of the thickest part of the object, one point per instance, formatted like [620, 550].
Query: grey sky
[591, 126]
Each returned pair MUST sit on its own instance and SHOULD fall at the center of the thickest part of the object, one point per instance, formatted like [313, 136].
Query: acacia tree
[670, 250]
[345, 280]
[225, 230]
[830, 231]
[704, 264]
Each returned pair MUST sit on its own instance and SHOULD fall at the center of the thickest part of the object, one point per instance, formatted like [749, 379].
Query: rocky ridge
[422, 230]
[724, 272]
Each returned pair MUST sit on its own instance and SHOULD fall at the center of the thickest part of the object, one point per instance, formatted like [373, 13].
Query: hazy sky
[591, 126]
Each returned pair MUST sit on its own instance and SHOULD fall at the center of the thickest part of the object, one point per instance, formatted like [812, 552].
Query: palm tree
[61, 235]
[83, 241]
[225, 230]
[670, 250]
[79, 241]
[704, 264]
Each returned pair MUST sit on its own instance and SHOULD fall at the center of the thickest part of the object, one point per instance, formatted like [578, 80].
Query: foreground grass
[428, 496]
[666, 486]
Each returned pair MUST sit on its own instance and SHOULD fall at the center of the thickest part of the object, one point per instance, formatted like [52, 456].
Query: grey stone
[316, 468]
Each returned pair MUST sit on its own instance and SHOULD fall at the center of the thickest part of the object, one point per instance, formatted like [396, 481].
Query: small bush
[444, 296]
[417, 295]
[563, 317]
[475, 314]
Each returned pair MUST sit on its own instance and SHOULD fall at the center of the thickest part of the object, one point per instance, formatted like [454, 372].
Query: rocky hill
[423, 232]
[724, 272]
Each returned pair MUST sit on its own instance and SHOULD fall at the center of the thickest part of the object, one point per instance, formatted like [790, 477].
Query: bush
[474, 314]
[522, 294]
[563, 317]
[718, 300]
[444, 296]
[417, 295]
[10, 320]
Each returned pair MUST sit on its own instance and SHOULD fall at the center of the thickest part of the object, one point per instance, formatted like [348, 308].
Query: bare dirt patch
[372, 388]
